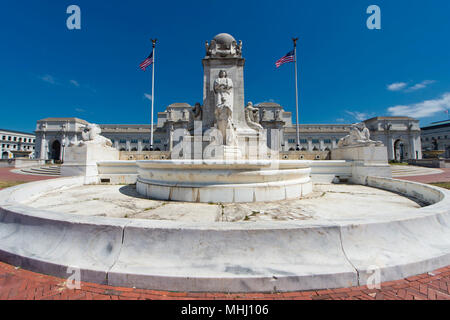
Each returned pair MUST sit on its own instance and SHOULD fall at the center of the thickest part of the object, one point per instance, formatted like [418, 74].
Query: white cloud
[423, 109]
[403, 86]
[421, 85]
[81, 110]
[75, 83]
[148, 96]
[360, 116]
[48, 78]
[397, 86]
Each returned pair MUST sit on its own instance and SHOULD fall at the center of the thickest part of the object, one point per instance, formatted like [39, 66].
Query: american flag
[289, 57]
[147, 62]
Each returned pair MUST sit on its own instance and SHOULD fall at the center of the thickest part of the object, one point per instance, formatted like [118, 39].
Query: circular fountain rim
[222, 162]
[347, 241]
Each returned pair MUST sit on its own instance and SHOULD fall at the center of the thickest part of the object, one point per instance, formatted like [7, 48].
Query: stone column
[139, 145]
[128, 145]
[310, 145]
[321, 145]
[43, 154]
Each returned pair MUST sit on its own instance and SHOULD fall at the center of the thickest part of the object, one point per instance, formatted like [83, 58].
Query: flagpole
[153, 93]
[296, 94]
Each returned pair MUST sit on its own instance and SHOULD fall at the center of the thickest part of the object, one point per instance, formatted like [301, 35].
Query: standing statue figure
[197, 112]
[252, 117]
[223, 88]
[224, 116]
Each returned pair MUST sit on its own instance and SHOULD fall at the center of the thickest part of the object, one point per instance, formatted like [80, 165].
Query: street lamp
[63, 150]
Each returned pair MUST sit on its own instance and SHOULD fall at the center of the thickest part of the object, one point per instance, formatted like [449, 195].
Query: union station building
[401, 135]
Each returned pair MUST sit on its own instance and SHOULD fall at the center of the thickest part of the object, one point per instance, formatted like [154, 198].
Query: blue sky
[346, 71]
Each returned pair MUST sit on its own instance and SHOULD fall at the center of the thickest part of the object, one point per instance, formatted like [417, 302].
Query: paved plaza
[16, 283]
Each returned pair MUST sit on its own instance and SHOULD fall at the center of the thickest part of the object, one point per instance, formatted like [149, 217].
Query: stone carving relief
[91, 135]
[223, 89]
[224, 122]
[215, 49]
[359, 136]
[252, 117]
[197, 112]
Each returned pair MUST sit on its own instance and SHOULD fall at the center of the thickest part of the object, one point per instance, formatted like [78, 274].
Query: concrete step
[406, 171]
[43, 171]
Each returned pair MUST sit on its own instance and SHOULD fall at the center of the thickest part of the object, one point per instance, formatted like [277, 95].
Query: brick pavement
[19, 284]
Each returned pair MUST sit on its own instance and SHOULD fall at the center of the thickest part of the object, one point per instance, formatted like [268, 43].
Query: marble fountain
[224, 213]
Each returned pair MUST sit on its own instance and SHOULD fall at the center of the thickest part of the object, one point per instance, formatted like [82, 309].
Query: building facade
[436, 136]
[401, 135]
[16, 144]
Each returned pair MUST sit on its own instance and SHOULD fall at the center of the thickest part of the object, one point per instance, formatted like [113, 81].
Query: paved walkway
[440, 177]
[6, 174]
[22, 284]
[16, 283]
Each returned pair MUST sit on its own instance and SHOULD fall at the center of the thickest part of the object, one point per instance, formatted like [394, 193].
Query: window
[157, 141]
[327, 141]
[315, 140]
[112, 140]
[9, 138]
[4, 138]
[303, 141]
[291, 140]
[122, 141]
[146, 141]
[134, 141]
[15, 139]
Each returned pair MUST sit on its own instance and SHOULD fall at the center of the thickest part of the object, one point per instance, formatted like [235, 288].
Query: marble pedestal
[82, 160]
[367, 160]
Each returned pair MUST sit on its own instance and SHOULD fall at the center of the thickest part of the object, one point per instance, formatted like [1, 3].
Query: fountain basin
[213, 181]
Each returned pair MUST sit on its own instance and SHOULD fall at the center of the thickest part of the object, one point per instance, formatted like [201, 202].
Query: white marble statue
[223, 45]
[224, 122]
[197, 112]
[359, 136]
[91, 135]
[223, 89]
[252, 117]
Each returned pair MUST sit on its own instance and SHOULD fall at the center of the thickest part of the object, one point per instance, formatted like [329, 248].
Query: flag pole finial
[154, 42]
[295, 41]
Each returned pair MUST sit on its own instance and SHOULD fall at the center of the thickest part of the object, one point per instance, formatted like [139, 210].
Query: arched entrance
[5, 155]
[56, 150]
[399, 150]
